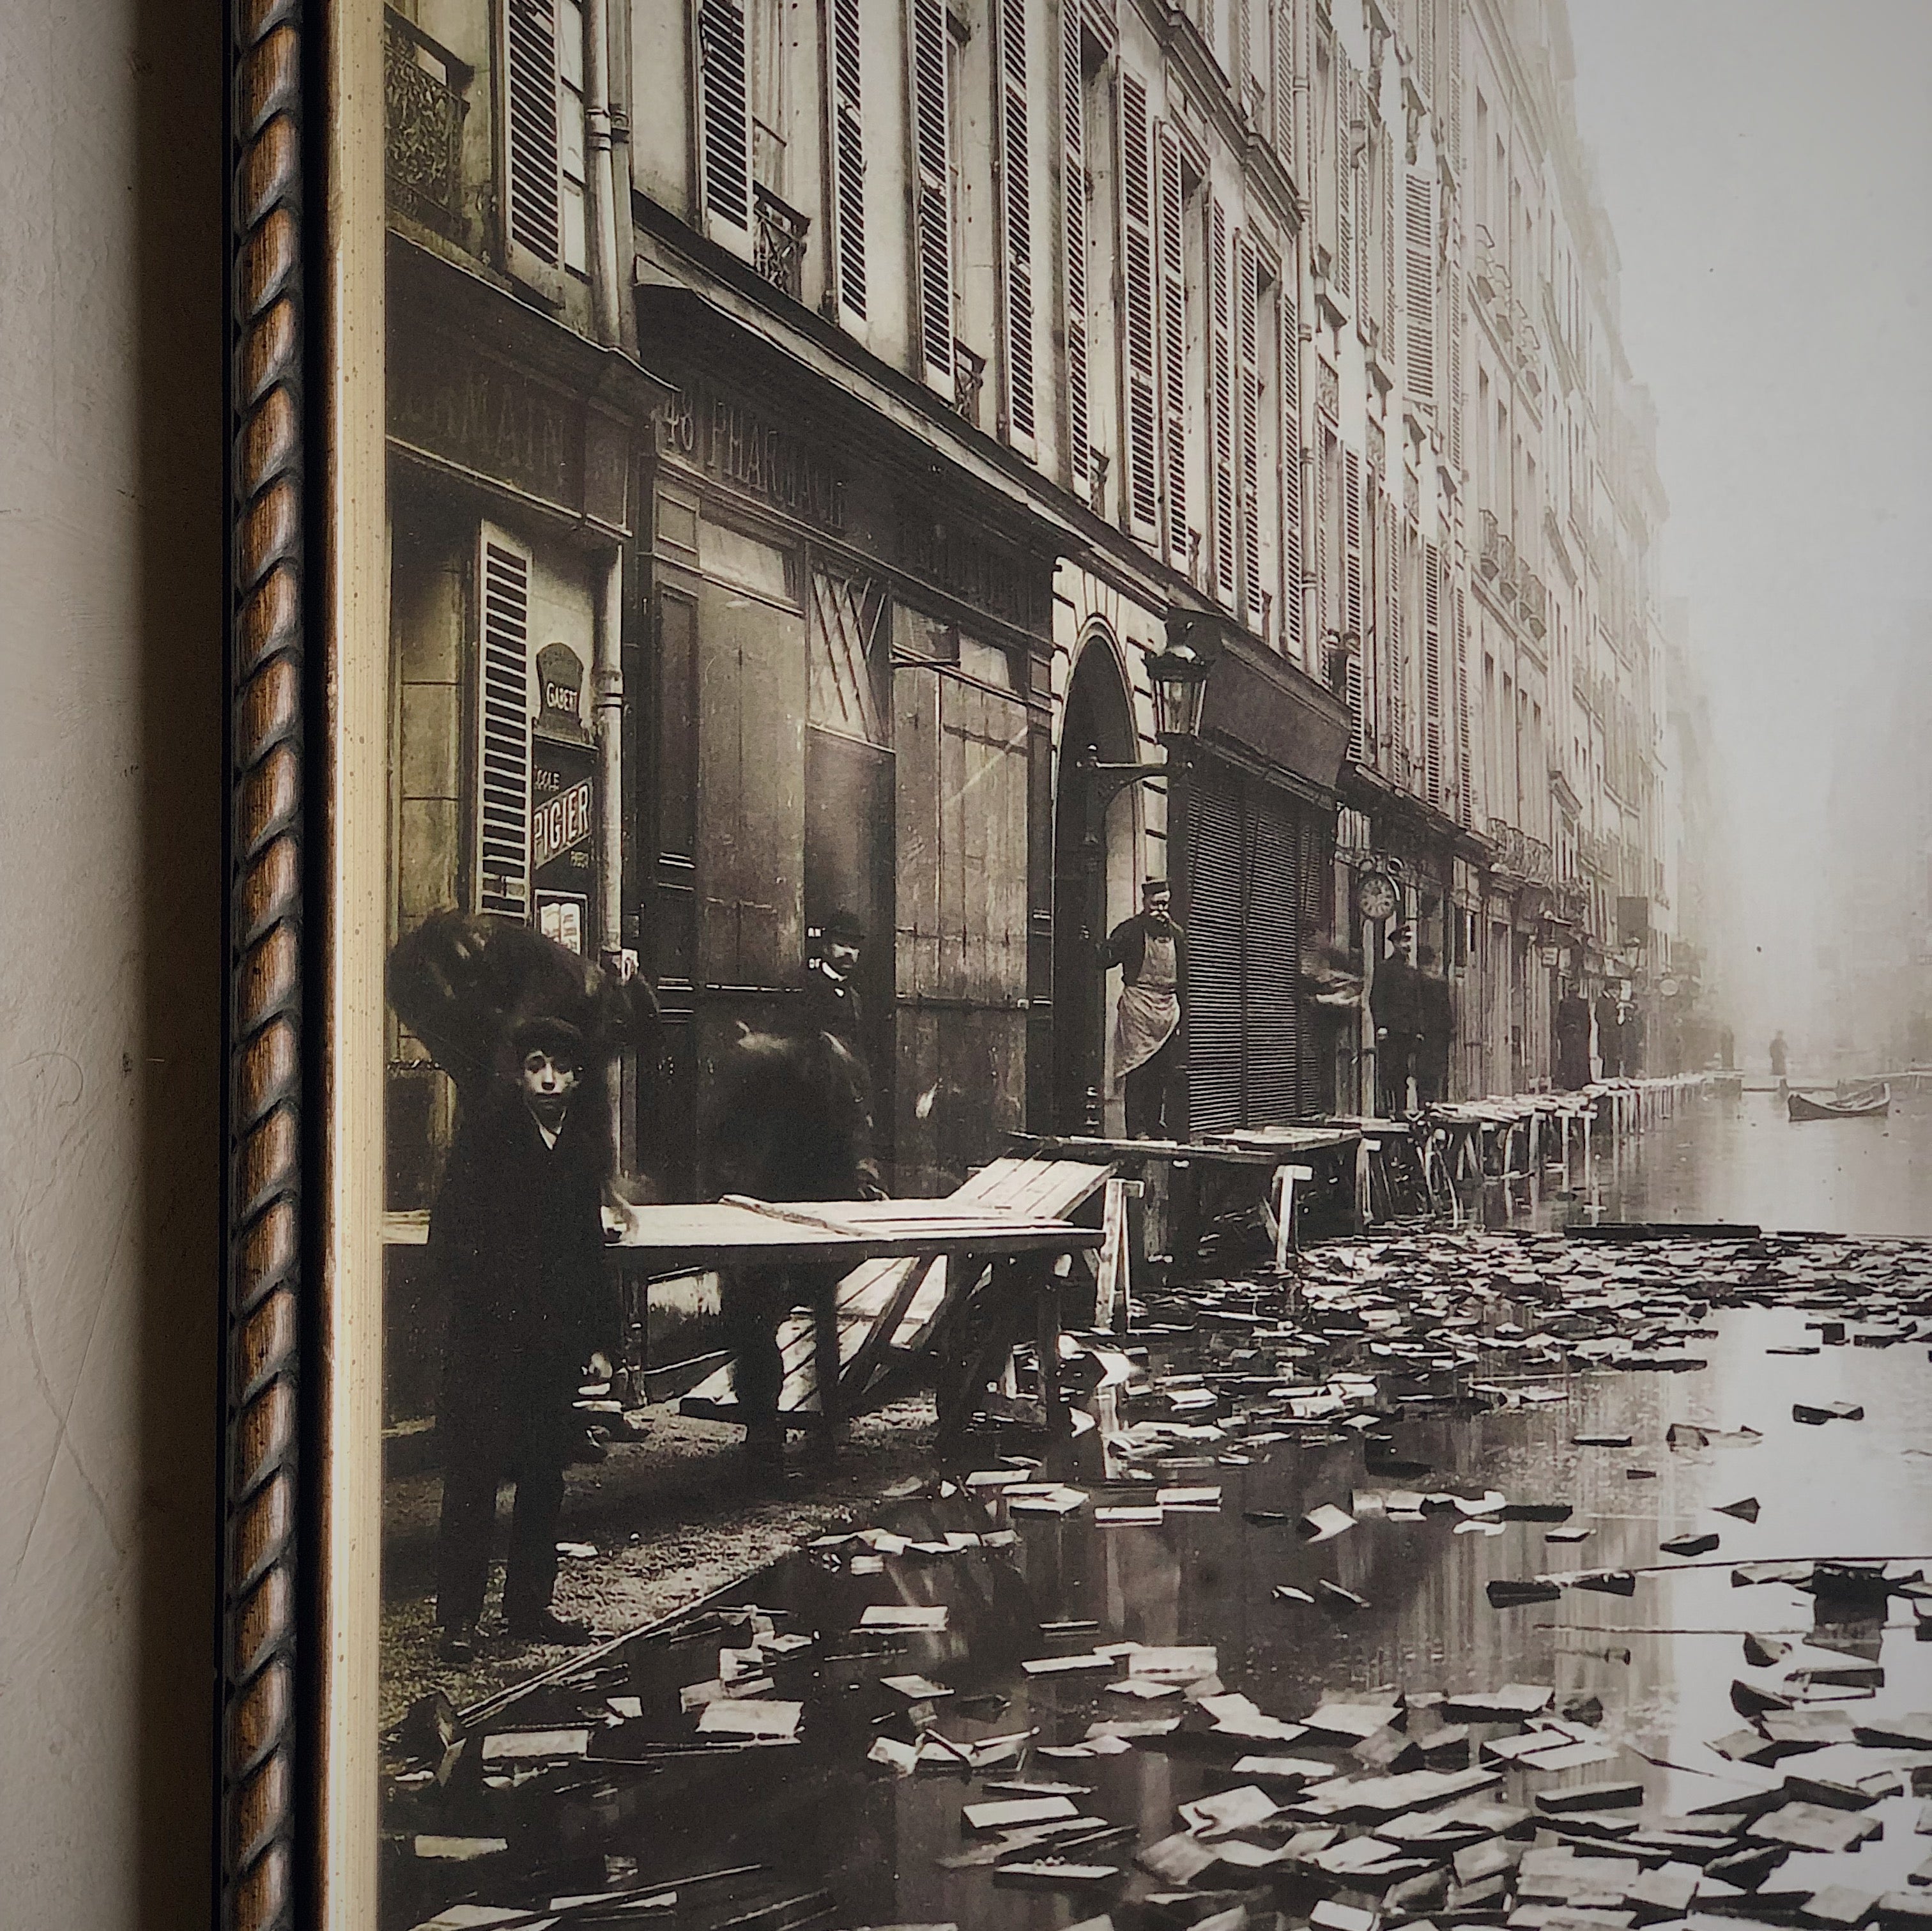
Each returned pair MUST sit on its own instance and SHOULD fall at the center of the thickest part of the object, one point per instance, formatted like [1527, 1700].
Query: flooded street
[838, 1828]
[1741, 1160]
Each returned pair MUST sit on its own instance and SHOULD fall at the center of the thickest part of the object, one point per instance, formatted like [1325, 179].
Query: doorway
[1094, 885]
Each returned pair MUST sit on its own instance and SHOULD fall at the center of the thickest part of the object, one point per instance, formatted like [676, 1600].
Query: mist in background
[1767, 167]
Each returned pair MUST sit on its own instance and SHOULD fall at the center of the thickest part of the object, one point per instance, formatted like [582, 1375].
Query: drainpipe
[608, 698]
[602, 184]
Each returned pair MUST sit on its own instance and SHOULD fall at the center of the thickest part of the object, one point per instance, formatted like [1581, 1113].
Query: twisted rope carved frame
[258, 1743]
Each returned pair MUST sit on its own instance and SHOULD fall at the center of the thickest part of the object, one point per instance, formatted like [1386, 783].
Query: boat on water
[1871, 1101]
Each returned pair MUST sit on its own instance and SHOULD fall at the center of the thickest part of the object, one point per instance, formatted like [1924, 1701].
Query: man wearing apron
[1147, 1023]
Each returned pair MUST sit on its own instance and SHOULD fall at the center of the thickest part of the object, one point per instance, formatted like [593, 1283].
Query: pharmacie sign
[733, 442]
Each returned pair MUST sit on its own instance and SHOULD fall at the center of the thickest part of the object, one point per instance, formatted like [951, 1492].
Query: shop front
[1252, 835]
[847, 714]
[513, 450]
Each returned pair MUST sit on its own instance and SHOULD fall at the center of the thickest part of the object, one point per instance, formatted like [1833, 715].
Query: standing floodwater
[1741, 1160]
[1446, 1575]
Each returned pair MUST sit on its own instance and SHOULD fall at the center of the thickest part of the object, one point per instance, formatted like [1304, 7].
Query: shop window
[936, 641]
[843, 694]
[736, 557]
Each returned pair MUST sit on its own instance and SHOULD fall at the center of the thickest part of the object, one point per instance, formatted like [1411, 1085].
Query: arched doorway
[1094, 881]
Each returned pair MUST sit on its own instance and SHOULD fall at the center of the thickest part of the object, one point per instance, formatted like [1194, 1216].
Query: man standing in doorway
[1395, 1004]
[1610, 1033]
[1147, 1023]
[1573, 1040]
[831, 1003]
[1435, 1031]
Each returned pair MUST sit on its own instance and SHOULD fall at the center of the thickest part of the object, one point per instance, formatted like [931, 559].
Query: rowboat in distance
[1870, 1101]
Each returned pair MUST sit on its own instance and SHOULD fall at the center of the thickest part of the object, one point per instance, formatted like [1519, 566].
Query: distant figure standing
[1635, 1038]
[1436, 1032]
[1572, 1029]
[1395, 1004]
[1609, 1034]
[1780, 1053]
[1727, 1050]
[1147, 1023]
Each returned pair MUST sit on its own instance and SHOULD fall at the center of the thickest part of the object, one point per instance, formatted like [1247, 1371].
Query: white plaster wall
[110, 814]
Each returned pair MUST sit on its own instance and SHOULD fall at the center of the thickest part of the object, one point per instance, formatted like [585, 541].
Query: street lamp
[1180, 675]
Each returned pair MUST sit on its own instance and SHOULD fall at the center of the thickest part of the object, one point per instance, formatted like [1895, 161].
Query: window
[768, 93]
[571, 142]
[1137, 223]
[1016, 223]
[542, 155]
[848, 162]
[933, 143]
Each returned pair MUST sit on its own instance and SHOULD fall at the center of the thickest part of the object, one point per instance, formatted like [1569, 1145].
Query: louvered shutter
[1344, 185]
[1073, 177]
[934, 223]
[1432, 673]
[1137, 252]
[1271, 969]
[1284, 83]
[724, 118]
[1399, 671]
[1222, 373]
[1323, 615]
[1016, 157]
[1419, 230]
[1391, 281]
[1364, 230]
[1464, 780]
[1389, 707]
[848, 161]
[1452, 305]
[1425, 35]
[1293, 629]
[1455, 39]
[1247, 352]
[1352, 597]
[502, 797]
[1213, 992]
[1351, 540]
[1173, 345]
[533, 210]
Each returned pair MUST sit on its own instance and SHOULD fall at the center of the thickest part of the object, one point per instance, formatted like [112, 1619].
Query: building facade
[808, 418]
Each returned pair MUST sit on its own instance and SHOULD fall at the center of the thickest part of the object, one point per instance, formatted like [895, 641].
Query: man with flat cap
[1147, 1022]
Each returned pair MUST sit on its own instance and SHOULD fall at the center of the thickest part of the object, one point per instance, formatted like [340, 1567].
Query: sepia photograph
[1143, 867]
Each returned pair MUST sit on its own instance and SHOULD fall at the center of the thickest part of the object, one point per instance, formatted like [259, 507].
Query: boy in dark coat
[518, 1233]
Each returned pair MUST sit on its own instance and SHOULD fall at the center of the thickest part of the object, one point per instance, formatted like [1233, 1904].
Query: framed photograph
[962, 768]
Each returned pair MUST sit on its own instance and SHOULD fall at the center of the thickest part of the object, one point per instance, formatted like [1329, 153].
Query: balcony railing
[425, 102]
[1539, 862]
[969, 378]
[780, 256]
[1489, 277]
[1532, 602]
